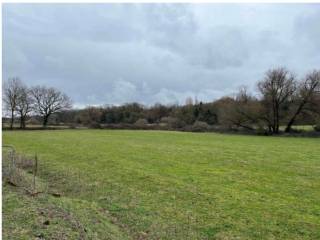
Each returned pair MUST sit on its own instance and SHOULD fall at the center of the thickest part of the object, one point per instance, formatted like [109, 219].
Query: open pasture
[173, 185]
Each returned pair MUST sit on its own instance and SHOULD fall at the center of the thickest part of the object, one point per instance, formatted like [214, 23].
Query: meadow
[121, 184]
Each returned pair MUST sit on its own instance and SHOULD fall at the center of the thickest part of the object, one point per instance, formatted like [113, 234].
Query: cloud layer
[148, 53]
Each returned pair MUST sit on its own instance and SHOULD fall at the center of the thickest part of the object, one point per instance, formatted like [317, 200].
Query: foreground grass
[47, 217]
[174, 185]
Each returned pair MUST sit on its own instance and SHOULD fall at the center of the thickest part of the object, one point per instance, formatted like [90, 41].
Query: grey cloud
[117, 53]
[307, 30]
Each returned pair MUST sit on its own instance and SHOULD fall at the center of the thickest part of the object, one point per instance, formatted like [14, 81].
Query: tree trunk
[276, 128]
[288, 128]
[276, 118]
[45, 120]
[22, 121]
[290, 123]
[12, 119]
[274, 122]
[244, 126]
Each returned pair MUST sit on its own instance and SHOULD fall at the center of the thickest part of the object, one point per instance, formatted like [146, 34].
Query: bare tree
[10, 95]
[240, 111]
[308, 90]
[189, 101]
[277, 89]
[91, 116]
[49, 101]
[24, 104]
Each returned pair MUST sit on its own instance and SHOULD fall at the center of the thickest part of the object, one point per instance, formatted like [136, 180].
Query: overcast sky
[148, 53]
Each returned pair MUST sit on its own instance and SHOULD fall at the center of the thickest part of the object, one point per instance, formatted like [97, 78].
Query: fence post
[35, 170]
[11, 162]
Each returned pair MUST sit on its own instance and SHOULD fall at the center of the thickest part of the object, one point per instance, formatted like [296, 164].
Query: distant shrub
[72, 126]
[95, 125]
[261, 130]
[164, 120]
[317, 127]
[200, 126]
[141, 123]
[172, 122]
[33, 121]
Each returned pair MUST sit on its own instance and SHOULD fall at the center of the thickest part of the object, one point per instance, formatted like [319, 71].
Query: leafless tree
[189, 101]
[240, 111]
[48, 101]
[91, 116]
[277, 89]
[308, 91]
[10, 95]
[24, 104]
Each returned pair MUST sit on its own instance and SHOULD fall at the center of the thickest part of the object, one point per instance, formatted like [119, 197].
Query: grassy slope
[47, 217]
[174, 185]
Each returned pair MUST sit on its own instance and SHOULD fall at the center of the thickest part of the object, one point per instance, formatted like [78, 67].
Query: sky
[156, 53]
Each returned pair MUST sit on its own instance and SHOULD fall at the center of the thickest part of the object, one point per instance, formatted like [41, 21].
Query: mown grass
[174, 185]
[305, 128]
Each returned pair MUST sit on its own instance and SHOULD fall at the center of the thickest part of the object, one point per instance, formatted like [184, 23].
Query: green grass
[30, 126]
[305, 128]
[174, 185]
[45, 217]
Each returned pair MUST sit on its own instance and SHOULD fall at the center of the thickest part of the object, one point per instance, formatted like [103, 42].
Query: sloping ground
[47, 217]
[173, 185]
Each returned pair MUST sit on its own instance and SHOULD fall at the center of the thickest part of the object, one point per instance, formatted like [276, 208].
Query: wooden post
[35, 169]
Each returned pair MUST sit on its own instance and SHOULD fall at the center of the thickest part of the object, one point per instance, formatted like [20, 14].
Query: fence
[20, 171]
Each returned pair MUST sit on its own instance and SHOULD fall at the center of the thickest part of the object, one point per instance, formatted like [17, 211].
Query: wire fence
[35, 178]
[21, 171]
[8, 163]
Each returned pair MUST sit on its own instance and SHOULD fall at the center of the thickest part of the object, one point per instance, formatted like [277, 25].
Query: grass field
[305, 128]
[167, 185]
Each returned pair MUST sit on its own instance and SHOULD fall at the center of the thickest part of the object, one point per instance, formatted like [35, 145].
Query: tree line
[283, 100]
[22, 101]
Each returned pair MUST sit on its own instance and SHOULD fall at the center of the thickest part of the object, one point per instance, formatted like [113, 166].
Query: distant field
[16, 125]
[168, 185]
[300, 128]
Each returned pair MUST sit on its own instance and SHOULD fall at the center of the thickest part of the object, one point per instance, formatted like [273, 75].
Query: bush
[262, 130]
[199, 126]
[317, 127]
[33, 121]
[173, 123]
[72, 126]
[95, 125]
[141, 123]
